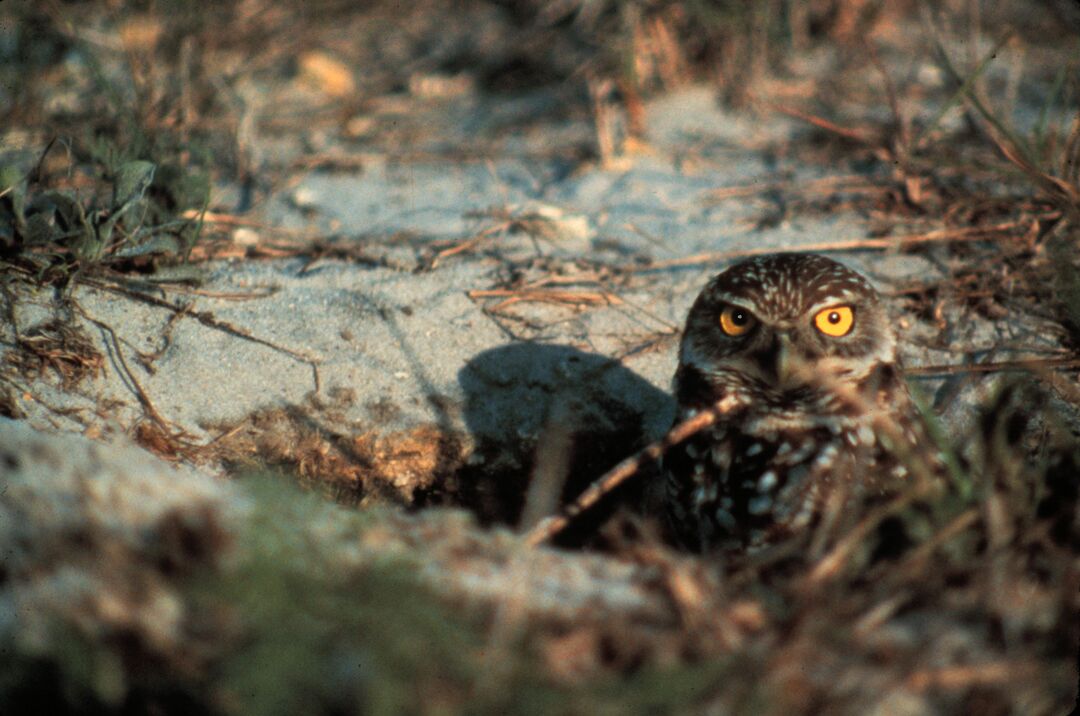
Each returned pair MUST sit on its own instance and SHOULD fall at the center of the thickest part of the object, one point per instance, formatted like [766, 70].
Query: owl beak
[789, 368]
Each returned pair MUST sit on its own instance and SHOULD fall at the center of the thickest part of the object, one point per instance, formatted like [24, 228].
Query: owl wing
[727, 488]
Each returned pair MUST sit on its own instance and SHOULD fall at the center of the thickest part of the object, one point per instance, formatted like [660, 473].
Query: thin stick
[847, 183]
[553, 525]
[902, 134]
[971, 233]
[219, 218]
[512, 296]
[470, 242]
[227, 295]
[998, 366]
[204, 317]
[918, 557]
[129, 375]
[207, 319]
[965, 676]
[822, 123]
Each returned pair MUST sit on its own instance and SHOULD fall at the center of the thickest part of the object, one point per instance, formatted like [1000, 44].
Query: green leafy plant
[137, 216]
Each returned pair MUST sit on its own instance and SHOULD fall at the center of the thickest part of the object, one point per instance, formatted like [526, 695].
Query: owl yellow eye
[836, 321]
[736, 321]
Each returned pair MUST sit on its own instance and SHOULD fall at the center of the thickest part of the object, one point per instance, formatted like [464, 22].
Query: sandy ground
[403, 339]
[459, 306]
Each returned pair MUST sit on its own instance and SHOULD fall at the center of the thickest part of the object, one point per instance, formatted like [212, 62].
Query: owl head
[779, 323]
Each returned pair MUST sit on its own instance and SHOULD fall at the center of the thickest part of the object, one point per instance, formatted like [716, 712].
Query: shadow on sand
[547, 420]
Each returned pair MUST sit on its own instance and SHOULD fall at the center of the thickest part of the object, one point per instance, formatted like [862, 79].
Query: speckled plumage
[806, 426]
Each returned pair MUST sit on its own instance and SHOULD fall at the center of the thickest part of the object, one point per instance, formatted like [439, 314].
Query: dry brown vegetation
[966, 602]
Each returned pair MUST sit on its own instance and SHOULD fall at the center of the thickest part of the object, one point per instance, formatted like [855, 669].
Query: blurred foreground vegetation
[126, 123]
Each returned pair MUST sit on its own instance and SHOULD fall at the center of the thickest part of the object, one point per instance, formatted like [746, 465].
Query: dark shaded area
[942, 607]
[521, 399]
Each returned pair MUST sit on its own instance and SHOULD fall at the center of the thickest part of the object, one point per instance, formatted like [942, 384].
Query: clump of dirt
[411, 462]
[58, 347]
[420, 467]
[361, 468]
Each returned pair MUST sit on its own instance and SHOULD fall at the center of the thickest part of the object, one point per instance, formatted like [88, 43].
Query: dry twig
[968, 233]
[551, 526]
[577, 298]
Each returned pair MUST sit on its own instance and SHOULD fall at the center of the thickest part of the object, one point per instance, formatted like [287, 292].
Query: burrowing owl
[803, 355]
